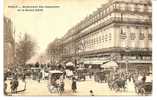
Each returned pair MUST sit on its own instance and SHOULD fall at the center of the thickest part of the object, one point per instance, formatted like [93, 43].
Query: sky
[44, 26]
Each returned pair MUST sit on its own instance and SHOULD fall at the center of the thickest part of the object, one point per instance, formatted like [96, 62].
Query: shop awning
[110, 64]
[136, 61]
[94, 62]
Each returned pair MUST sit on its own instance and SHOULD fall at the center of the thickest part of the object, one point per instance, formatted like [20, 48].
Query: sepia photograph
[77, 48]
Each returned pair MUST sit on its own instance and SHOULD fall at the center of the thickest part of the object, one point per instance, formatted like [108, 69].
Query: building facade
[9, 44]
[120, 30]
[54, 51]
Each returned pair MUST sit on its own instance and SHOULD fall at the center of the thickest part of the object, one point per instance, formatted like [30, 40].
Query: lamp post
[126, 64]
[126, 59]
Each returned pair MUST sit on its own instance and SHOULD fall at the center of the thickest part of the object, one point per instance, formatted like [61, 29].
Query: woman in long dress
[74, 87]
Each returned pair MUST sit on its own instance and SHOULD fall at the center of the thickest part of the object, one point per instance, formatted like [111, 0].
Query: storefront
[139, 66]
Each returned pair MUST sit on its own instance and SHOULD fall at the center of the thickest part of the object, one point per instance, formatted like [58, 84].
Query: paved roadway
[34, 88]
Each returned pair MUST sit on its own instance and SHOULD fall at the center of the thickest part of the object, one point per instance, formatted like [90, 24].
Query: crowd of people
[142, 81]
[14, 78]
[116, 80]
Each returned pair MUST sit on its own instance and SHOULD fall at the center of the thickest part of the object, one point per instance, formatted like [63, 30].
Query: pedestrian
[39, 76]
[23, 77]
[14, 85]
[15, 76]
[74, 87]
[90, 75]
[5, 88]
[64, 74]
[144, 78]
[91, 93]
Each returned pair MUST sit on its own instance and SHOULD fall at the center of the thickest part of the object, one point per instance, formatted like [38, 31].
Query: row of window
[97, 40]
[133, 36]
[93, 43]
[133, 7]
[97, 37]
[109, 18]
[88, 43]
[136, 57]
[122, 6]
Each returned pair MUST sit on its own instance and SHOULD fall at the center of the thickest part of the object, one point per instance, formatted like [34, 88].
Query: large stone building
[9, 44]
[120, 30]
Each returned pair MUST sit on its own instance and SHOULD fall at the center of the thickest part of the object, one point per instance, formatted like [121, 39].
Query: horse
[121, 84]
[5, 88]
[117, 84]
[14, 85]
[139, 87]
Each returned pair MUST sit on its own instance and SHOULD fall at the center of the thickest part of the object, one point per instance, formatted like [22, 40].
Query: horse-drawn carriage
[55, 81]
[148, 88]
[143, 84]
[143, 88]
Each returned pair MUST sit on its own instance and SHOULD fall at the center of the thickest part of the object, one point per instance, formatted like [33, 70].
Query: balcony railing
[110, 21]
[118, 20]
[133, 1]
[121, 10]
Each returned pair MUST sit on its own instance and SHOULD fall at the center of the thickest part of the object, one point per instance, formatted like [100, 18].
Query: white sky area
[51, 23]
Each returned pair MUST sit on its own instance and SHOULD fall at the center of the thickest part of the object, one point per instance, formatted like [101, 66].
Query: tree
[25, 49]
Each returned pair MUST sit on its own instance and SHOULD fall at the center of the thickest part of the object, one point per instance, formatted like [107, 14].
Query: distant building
[121, 30]
[9, 44]
[54, 51]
